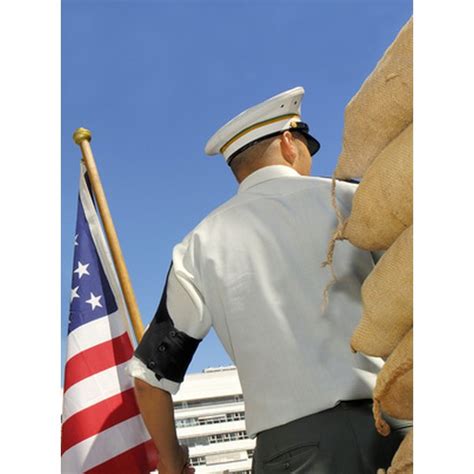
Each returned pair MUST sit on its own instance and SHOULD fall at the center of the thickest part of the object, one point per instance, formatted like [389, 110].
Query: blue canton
[91, 295]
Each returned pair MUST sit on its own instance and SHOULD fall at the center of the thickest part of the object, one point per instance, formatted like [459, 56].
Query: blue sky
[153, 80]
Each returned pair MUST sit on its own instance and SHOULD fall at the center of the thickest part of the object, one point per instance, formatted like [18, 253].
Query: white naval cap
[269, 118]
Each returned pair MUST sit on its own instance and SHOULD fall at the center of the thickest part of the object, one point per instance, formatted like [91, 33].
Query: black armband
[164, 349]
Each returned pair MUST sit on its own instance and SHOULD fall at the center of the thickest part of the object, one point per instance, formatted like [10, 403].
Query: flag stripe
[96, 359]
[92, 390]
[104, 446]
[97, 418]
[95, 332]
[137, 460]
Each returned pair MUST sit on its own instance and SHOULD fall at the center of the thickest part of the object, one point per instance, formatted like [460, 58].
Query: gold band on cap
[254, 127]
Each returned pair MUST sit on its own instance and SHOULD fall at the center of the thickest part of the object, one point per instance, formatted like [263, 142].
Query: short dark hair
[252, 153]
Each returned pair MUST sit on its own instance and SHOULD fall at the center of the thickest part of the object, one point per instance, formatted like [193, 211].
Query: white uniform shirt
[252, 270]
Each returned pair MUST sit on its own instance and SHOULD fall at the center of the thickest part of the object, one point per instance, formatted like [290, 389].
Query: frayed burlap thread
[340, 216]
[337, 235]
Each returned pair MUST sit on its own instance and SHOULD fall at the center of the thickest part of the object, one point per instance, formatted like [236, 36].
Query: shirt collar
[265, 174]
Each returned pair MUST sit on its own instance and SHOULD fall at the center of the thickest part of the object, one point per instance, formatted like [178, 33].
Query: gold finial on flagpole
[82, 134]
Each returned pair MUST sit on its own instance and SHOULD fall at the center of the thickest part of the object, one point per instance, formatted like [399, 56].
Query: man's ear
[288, 147]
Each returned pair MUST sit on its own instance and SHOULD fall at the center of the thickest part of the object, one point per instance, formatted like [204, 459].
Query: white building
[210, 420]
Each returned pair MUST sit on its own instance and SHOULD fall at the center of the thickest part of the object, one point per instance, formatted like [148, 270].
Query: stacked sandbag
[378, 150]
[387, 300]
[383, 204]
[380, 110]
[402, 462]
[393, 392]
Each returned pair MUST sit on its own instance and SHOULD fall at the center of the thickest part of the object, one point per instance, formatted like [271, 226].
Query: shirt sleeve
[179, 325]
[345, 194]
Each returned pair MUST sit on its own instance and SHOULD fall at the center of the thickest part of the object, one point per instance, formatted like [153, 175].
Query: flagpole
[82, 137]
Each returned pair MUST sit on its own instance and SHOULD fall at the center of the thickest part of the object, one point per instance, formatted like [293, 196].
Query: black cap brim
[313, 144]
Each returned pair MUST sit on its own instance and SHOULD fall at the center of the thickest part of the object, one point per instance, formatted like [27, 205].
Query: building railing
[207, 402]
[213, 439]
[210, 420]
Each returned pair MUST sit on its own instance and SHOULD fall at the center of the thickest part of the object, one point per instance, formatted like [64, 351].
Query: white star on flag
[74, 293]
[81, 269]
[94, 301]
[75, 240]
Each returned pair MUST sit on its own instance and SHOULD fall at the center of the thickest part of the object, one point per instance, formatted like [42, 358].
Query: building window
[211, 420]
[179, 405]
[213, 439]
[197, 461]
[197, 441]
[235, 416]
[223, 437]
[186, 422]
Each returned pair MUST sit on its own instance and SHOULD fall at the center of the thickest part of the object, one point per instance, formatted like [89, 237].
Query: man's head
[288, 149]
[268, 133]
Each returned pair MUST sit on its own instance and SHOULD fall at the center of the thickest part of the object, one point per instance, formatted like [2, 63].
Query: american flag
[102, 430]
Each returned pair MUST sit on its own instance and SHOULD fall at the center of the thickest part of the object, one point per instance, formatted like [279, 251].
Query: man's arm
[162, 358]
[156, 407]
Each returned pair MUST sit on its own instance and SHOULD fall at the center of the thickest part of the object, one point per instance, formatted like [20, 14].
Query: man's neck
[252, 169]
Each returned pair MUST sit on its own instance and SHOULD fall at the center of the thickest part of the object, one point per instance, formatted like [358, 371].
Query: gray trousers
[341, 440]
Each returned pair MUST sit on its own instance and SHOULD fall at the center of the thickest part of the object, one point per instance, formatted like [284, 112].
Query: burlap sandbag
[393, 392]
[387, 299]
[381, 109]
[402, 462]
[382, 207]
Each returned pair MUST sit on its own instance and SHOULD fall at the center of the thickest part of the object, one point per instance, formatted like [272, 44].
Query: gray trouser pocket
[299, 459]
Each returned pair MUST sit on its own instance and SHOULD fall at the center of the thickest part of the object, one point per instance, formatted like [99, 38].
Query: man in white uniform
[252, 270]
